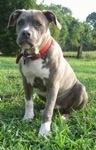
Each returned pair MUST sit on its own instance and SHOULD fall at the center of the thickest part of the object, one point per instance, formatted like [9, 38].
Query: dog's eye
[38, 23]
[21, 22]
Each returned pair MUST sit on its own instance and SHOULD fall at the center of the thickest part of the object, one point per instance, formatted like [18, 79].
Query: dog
[44, 68]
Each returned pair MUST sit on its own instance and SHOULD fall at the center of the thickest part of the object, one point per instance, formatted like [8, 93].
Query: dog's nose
[26, 34]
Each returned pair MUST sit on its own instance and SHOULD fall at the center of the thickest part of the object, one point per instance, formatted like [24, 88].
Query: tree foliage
[7, 36]
[91, 18]
[74, 34]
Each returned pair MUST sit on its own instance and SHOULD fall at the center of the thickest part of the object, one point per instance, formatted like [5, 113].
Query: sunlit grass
[77, 133]
[85, 54]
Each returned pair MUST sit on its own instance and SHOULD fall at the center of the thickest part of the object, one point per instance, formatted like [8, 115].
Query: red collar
[37, 56]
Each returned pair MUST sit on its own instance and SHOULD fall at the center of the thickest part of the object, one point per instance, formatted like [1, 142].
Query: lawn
[77, 133]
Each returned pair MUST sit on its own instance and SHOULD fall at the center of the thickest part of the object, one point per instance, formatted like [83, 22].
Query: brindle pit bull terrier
[43, 67]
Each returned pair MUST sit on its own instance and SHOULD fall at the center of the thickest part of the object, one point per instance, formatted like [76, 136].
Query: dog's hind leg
[83, 98]
[75, 99]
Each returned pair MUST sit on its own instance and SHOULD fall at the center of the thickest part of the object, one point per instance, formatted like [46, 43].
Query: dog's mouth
[26, 45]
[25, 42]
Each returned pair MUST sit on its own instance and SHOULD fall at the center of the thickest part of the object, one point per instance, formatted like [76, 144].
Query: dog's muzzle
[25, 39]
[26, 34]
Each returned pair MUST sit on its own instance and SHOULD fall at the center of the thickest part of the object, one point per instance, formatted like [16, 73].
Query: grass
[77, 133]
[85, 54]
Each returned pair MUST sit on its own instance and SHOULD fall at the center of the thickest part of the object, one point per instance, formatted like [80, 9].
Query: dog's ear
[13, 17]
[51, 17]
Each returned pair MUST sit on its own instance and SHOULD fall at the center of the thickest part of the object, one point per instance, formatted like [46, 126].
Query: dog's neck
[35, 56]
[45, 39]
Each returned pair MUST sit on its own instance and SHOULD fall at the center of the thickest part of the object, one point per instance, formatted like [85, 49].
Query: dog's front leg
[29, 110]
[48, 111]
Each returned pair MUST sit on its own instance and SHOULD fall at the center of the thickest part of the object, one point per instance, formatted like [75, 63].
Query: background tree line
[74, 35]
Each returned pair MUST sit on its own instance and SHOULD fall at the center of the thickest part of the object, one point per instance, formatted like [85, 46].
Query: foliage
[75, 30]
[59, 35]
[86, 36]
[94, 37]
[74, 34]
[8, 36]
[70, 34]
[76, 133]
[91, 18]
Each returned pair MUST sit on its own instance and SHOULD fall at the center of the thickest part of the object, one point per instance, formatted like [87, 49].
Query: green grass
[85, 54]
[77, 133]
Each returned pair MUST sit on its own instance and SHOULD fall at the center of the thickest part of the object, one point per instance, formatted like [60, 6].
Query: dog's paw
[28, 115]
[44, 129]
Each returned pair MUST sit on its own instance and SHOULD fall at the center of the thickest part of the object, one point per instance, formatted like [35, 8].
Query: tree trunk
[79, 52]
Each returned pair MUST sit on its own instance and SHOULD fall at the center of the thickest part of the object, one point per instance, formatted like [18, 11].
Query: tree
[94, 39]
[8, 36]
[74, 34]
[91, 18]
[75, 29]
[61, 13]
[86, 36]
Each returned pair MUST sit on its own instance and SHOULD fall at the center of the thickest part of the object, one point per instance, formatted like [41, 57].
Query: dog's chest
[35, 69]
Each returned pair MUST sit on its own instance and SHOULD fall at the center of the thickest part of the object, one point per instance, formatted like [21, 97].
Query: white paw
[29, 112]
[28, 115]
[44, 129]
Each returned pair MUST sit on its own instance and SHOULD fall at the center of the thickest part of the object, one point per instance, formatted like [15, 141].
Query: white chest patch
[34, 69]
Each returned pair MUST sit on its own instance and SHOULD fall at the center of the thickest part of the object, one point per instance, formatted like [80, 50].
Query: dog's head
[32, 27]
